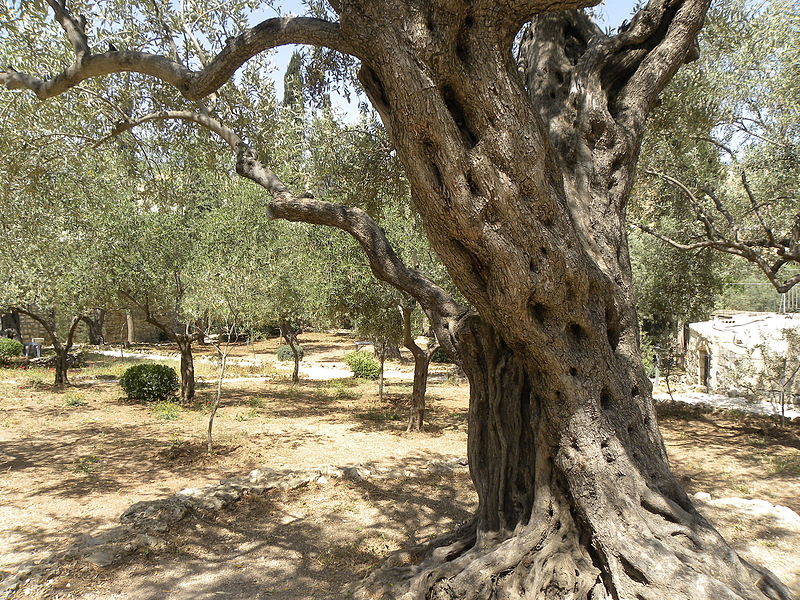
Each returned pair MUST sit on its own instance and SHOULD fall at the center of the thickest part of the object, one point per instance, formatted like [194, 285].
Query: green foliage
[363, 365]
[440, 355]
[87, 464]
[284, 353]
[727, 129]
[74, 400]
[10, 348]
[167, 411]
[339, 389]
[648, 353]
[149, 382]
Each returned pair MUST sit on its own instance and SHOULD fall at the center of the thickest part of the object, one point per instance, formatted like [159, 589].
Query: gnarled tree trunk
[521, 186]
[524, 202]
[94, 324]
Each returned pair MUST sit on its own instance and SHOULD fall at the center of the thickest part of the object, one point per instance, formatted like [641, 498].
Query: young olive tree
[521, 184]
[52, 217]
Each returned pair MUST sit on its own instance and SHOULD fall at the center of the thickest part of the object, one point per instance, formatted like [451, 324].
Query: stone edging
[143, 524]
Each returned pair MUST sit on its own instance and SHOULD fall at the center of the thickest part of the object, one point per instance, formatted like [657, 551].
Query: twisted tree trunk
[521, 186]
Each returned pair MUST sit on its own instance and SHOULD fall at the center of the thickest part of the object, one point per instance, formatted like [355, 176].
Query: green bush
[10, 348]
[285, 353]
[149, 383]
[363, 365]
[441, 356]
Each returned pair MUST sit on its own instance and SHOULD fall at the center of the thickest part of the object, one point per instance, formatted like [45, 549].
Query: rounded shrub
[363, 365]
[149, 383]
[10, 348]
[440, 355]
[285, 353]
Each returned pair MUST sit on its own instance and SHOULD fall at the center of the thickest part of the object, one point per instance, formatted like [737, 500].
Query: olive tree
[521, 183]
[723, 176]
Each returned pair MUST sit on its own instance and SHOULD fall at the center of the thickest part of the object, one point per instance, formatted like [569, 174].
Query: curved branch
[384, 262]
[48, 327]
[193, 85]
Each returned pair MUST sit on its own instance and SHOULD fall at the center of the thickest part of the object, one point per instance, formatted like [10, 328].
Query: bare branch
[193, 85]
[711, 229]
[754, 204]
[75, 28]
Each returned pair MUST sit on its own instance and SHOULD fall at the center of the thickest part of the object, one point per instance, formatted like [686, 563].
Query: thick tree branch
[384, 262]
[673, 25]
[193, 85]
[75, 28]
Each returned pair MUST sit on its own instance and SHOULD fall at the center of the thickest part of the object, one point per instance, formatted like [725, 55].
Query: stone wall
[115, 329]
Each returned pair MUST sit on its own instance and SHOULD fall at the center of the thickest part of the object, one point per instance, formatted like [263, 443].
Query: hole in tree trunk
[605, 399]
[462, 44]
[573, 371]
[456, 110]
[576, 333]
[539, 312]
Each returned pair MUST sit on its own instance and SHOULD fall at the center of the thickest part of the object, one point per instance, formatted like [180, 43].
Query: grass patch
[246, 416]
[87, 464]
[167, 411]
[783, 465]
[255, 402]
[74, 400]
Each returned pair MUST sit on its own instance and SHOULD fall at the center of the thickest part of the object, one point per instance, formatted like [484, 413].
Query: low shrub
[149, 383]
[363, 365]
[10, 348]
[285, 353]
[440, 355]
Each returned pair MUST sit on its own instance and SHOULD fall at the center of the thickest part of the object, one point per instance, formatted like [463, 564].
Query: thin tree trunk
[61, 366]
[186, 368]
[289, 334]
[381, 376]
[218, 397]
[416, 419]
[130, 338]
[422, 361]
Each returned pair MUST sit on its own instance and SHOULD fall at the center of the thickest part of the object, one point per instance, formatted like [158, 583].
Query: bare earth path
[73, 461]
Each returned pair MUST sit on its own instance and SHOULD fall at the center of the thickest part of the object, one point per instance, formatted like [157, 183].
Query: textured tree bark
[526, 210]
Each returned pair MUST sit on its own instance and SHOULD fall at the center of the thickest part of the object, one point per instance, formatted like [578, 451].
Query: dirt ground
[74, 460]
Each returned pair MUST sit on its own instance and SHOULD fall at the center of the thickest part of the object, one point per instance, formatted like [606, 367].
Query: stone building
[720, 352]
